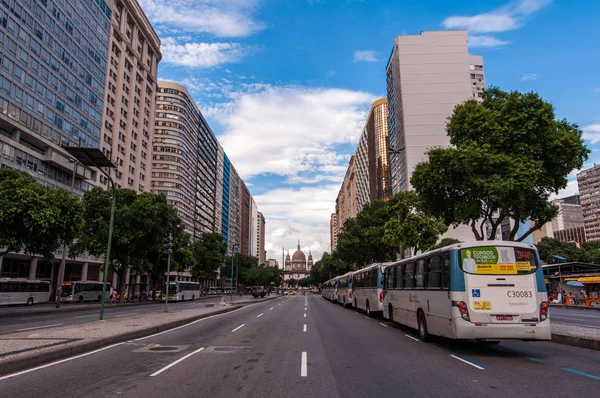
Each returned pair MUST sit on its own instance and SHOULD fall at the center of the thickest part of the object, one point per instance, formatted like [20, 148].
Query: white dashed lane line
[239, 327]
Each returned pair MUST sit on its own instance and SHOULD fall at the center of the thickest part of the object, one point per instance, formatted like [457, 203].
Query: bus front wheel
[368, 309]
[80, 299]
[391, 314]
[423, 333]
[30, 301]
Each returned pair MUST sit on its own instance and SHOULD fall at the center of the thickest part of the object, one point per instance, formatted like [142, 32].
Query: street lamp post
[560, 258]
[232, 257]
[94, 157]
[168, 251]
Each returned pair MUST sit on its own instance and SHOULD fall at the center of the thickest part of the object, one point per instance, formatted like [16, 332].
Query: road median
[24, 350]
[577, 336]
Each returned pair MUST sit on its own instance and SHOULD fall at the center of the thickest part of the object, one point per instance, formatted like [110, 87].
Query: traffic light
[168, 245]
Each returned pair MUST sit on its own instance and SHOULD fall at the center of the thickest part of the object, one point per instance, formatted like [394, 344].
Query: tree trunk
[474, 229]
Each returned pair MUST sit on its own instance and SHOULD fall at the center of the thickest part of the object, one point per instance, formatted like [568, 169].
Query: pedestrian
[113, 296]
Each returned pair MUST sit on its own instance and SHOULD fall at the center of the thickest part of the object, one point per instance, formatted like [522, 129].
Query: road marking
[176, 362]
[574, 371]
[468, 362]
[305, 327]
[40, 327]
[303, 370]
[57, 362]
[271, 308]
[261, 314]
[239, 327]
[383, 324]
[36, 317]
[304, 308]
[84, 316]
[568, 317]
[122, 315]
[366, 317]
[305, 315]
[535, 360]
[412, 338]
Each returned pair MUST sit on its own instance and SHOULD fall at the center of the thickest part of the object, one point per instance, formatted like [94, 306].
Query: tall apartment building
[589, 190]
[333, 232]
[246, 232]
[53, 65]
[346, 202]
[235, 211]
[225, 202]
[567, 226]
[260, 239]
[130, 96]
[271, 262]
[427, 75]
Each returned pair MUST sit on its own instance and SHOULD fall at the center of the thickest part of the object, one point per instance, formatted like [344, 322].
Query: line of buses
[479, 290]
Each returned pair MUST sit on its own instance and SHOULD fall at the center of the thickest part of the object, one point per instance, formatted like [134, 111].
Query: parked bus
[328, 289]
[180, 291]
[80, 291]
[367, 288]
[19, 291]
[343, 291]
[487, 291]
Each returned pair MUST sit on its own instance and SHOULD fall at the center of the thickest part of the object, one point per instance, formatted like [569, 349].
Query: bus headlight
[544, 310]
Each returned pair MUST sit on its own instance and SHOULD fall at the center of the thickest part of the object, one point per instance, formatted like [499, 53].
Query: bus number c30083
[519, 293]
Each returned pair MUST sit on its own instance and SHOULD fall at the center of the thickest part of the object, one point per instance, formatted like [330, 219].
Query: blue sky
[286, 84]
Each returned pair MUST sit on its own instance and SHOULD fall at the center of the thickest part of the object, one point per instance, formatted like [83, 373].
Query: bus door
[500, 284]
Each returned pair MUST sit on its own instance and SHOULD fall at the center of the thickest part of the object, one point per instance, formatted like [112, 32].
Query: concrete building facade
[346, 203]
[130, 97]
[333, 231]
[427, 75]
[260, 239]
[589, 191]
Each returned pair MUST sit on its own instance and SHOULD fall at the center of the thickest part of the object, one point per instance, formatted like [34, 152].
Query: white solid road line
[411, 337]
[239, 327]
[84, 316]
[40, 327]
[261, 314]
[305, 327]
[305, 315]
[366, 317]
[36, 317]
[57, 362]
[122, 315]
[271, 308]
[176, 362]
[303, 370]
[383, 324]
[468, 362]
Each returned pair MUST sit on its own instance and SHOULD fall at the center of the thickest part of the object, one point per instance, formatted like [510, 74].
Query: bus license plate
[504, 317]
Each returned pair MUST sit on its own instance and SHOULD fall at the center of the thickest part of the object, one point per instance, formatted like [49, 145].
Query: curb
[18, 364]
[576, 341]
[44, 309]
[575, 307]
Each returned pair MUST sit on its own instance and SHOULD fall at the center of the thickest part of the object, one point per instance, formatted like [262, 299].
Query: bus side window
[434, 274]
[421, 274]
[409, 275]
[399, 276]
[446, 270]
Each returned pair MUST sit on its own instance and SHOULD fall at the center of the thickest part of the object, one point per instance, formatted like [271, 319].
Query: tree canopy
[510, 153]
[35, 219]
[208, 254]
[589, 252]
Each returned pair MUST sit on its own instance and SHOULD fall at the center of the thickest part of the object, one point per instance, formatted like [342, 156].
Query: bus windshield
[66, 290]
[172, 288]
[498, 260]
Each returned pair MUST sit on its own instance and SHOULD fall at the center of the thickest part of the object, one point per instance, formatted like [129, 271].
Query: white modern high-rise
[427, 76]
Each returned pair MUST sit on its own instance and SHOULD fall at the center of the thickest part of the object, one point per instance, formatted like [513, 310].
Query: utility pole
[168, 251]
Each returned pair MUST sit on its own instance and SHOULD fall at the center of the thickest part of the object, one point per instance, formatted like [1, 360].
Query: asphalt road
[304, 346]
[576, 316]
[15, 319]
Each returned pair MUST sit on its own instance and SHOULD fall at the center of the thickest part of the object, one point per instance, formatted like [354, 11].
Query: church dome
[299, 256]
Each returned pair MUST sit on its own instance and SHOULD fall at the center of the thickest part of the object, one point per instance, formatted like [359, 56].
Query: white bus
[328, 289]
[343, 291]
[367, 288]
[19, 291]
[487, 291]
[180, 291]
[80, 291]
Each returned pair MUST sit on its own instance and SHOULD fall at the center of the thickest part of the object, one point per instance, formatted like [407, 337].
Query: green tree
[509, 155]
[35, 219]
[409, 225]
[591, 251]
[361, 241]
[141, 224]
[304, 282]
[549, 247]
[446, 242]
[208, 253]
[292, 282]
[327, 267]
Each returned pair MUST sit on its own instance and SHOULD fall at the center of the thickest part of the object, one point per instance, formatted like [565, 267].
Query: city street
[576, 316]
[17, 319]
[306, 346]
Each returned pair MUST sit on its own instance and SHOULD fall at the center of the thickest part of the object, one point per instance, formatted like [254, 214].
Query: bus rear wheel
[391, 313]
[80, 299]
[30, 301]
[368, 309]
[423, 333]
[99, 299]
[193, 297]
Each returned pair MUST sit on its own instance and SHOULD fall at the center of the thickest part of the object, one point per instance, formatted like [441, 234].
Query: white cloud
[597, 90]
[591, 133]
[287, 130]
[298, 214]
[365, 56]
[315, 179]
[571, 189]
[509, 17]
[222, 18]
[201, 55]
[486, 41]
[529, 76]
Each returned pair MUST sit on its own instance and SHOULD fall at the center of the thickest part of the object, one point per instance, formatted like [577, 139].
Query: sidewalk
[580, 307]
[24, 350]
[577, 336]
